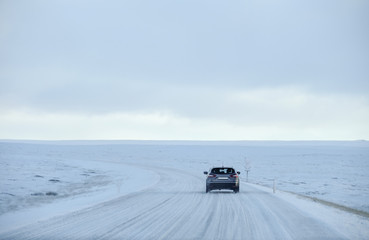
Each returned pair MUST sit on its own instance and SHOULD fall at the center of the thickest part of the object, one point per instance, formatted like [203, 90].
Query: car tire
[207, 189]
[236, 190]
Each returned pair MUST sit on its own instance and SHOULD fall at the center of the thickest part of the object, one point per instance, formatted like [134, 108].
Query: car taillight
[234, 176]
[212, 175]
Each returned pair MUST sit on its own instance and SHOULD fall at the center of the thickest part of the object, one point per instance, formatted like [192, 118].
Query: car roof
[222, 167]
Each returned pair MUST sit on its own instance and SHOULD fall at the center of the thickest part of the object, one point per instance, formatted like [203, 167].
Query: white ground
[157, 192]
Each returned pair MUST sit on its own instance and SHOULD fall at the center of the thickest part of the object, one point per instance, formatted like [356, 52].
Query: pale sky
[184, 69]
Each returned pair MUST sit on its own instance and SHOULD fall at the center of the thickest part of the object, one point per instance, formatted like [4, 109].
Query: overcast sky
[186, 69]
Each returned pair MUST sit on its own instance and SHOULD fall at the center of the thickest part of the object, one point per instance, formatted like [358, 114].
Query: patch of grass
[51, 194]
[54, 180]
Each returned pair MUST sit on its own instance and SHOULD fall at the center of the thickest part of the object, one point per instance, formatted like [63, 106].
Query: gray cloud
[216, 42]
[195, 59]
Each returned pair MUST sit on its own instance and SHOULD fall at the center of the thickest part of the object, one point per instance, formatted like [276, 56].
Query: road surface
[178, 208]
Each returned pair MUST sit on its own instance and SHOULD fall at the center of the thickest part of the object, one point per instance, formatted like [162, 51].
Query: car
[219, 178]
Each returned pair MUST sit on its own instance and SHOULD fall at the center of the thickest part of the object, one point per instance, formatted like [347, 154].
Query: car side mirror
[206, 173]
[238, 173]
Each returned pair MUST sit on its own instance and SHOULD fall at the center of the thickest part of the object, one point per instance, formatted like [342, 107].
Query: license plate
[222, 178]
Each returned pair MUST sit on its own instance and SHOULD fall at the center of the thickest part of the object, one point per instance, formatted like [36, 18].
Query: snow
[51, 180]
[29, 173]
[349, 225]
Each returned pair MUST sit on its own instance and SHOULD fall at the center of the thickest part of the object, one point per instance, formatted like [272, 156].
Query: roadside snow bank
[103, 181]
[351, 225]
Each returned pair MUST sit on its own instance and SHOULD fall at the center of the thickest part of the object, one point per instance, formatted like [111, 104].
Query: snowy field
[44, 180]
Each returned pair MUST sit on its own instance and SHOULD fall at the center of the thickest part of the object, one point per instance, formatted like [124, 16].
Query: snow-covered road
[177, 207]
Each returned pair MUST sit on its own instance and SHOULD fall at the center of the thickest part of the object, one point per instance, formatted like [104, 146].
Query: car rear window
[222, 170]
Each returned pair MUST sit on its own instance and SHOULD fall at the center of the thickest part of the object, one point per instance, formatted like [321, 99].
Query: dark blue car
[222, 178]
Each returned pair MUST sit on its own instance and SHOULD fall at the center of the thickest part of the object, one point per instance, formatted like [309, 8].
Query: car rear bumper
[215, 186]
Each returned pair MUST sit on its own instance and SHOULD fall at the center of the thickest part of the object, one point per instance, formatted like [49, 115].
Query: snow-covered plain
[55, 186]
